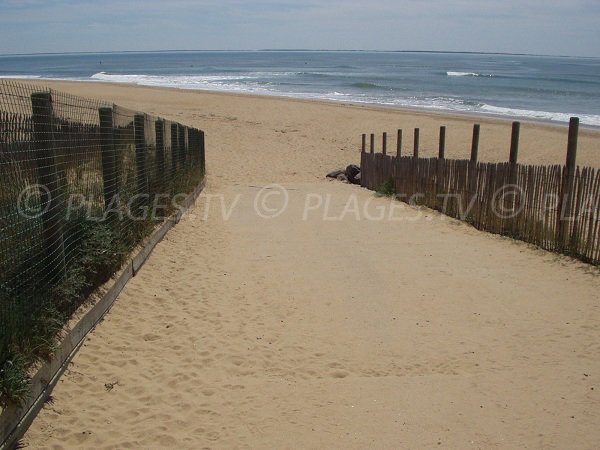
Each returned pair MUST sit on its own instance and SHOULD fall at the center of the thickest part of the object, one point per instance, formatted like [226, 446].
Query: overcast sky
[557, 27]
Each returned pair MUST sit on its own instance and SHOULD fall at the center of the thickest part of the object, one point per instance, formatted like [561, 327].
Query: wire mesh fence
[82, 182]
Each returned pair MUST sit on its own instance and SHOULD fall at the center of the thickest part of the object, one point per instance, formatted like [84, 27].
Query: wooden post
[159, 130]
[416, 144]
[182, 146]
[513, 173]
[514, 143]
[198, 138]
[442, 149]
[472, 168]
[202, 152]
[109, 160]
[514, 151]
[193, 148]
[440, 165]
[48, 179]
[572, 146]
[141, 175]
[475, 143]
[568, 182]
[188, 145]
[364, 143]
[372, 143]
[384, 143]
[398, 168]
[399, 144]
[174, 149]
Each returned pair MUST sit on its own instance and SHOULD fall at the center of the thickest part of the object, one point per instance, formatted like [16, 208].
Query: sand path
[321, 329]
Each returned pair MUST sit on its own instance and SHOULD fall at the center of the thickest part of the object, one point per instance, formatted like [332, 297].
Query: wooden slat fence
[541, 205]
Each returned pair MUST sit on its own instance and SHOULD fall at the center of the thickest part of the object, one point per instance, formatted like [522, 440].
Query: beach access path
[343, 320]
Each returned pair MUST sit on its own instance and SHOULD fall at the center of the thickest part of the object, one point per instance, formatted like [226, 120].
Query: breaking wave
[467, 74]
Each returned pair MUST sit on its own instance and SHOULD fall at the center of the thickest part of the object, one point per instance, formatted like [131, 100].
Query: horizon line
[289, 50]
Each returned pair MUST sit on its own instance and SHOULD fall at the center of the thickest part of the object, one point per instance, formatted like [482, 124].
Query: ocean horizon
[529, 87]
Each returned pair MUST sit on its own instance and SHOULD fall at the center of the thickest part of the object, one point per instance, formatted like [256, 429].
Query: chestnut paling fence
[82, 182]
[554, 207]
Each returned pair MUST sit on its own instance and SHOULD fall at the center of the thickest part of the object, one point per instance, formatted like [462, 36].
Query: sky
[554, 27]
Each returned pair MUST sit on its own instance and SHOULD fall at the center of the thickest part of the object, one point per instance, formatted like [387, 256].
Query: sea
[546, 88]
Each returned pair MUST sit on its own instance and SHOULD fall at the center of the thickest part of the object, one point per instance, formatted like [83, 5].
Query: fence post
[440, 166]
[514, 151]
[384, 143]
[109, 160]
[159, 130]
[416, 144]
[174, 149]
[41, 103]
[568, 183]
[364, 143]
[475, 143]
[399, 144]
[162, 174]
[182, 146]
[513, 171]
[514, 143]
[199, 145]
[140, 155]
[442, 149]
[472, 167]
[372, 143]
[193, 148]
[202, 152]
[198, 150]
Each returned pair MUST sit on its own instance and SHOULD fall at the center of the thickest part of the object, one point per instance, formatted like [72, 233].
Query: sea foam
[467, 74]
[254, 83]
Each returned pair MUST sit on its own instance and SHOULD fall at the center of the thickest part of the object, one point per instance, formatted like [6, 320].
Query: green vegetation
[52, 205]
[387, 188]
[34, 315]
[35, 309]
[13, 377]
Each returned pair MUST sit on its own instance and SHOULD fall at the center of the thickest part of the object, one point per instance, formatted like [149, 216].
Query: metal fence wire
[82, 182]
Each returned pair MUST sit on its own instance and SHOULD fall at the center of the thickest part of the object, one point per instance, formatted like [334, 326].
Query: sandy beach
[386, 327]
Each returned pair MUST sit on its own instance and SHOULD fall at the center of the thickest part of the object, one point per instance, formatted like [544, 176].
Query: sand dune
[324, 328]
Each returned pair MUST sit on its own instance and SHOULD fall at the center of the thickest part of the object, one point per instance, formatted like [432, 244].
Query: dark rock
[350, 175]
[352, 171]
[335, 173]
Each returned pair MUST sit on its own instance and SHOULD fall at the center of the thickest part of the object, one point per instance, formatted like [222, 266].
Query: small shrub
[14, 383]
[44, 329]
[387, 188]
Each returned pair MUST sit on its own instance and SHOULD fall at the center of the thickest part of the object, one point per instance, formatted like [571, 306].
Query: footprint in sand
[150, 337]
[339, 374]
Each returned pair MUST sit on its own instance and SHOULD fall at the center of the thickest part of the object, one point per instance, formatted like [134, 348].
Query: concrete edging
[15, 420]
